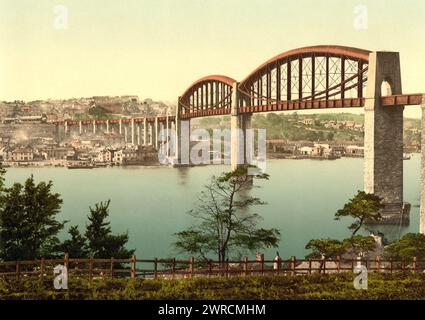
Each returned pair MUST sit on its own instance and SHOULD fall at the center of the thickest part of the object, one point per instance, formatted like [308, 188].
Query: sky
[157, 48]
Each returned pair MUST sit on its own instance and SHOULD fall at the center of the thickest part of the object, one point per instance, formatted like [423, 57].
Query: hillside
[314, 127]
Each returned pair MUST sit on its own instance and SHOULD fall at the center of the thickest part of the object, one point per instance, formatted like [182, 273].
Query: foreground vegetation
[334, 286]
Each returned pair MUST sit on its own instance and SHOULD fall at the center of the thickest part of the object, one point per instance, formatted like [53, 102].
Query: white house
[305, 151]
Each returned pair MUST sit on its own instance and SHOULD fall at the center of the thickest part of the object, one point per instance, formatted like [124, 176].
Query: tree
[101, 243]
[359, 246]
[2, 173]
[97, 112]
[363, 207]
[325, 248]
[330, 136]
[28, 226]
[76, 247]
[409, 246]
[225, 224]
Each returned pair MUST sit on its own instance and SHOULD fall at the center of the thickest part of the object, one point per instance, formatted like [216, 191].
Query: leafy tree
[359, 246]
[98, 112]
[2, 173]
[325, 248]
[101, 243]
[76, 247]
[224, 223]
[363, 207]
[28, 226]
[409, 246]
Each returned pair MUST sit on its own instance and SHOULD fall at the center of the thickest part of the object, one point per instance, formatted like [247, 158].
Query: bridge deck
[388, 101]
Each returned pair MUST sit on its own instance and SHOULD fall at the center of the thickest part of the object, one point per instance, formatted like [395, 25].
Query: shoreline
[64, 163]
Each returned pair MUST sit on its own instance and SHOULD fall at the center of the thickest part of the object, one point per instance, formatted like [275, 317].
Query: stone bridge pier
[238, 126]
[422, 204]
[182, 140]
[383, 159]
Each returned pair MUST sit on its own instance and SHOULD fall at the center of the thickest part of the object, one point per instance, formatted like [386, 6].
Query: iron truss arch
[307, 78]
[211, 95]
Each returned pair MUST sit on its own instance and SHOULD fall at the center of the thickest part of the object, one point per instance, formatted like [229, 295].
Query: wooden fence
[174, 268]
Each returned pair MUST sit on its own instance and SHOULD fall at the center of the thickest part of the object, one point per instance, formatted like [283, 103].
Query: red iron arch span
[315, 77]
[211, 95]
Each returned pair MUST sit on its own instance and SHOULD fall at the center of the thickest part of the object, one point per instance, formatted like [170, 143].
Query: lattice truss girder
[208, 95]
[310, 77]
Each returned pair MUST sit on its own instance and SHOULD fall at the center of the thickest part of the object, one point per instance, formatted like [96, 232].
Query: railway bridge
[316, 77]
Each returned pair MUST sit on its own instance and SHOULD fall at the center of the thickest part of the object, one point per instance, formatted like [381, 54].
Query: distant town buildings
[307, 149]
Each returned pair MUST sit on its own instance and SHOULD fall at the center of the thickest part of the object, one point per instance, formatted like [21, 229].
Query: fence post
[18, 269]
[155, 268]
[309, 266]
[209, 268]
[91, 267]
[279, 264]
[414, 264]
[292, 266]
[391, 265]
[112, 267]
[66, 261]
[378, 263]
[245, 266]
[191, 267]
[42, 268]
[133, 266]
[324, 265]
[173, 270]
[227, 267]
[262, 264]
[338, 264]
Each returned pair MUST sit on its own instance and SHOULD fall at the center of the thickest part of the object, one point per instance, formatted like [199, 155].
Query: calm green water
[151, 203]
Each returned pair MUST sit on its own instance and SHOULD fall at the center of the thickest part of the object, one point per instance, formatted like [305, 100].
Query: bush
[334, 286]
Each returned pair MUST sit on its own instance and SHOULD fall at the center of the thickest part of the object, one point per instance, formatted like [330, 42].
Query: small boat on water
[101, 165]
[80, 166]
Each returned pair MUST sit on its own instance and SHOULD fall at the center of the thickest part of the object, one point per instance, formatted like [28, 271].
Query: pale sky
[157, 48]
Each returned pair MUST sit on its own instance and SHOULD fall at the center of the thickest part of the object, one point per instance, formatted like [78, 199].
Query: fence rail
[173, 268]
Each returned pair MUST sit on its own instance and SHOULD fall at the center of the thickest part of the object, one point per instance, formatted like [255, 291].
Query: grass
[334, 286]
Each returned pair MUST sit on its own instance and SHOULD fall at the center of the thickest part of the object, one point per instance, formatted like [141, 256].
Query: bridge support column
[125, 134]
[66, 128]
[422, 205]
[239, 123]
[120, 126]
[133, 139]
[80, 127]
[182, 139]
[138, 134]
[145, 132]
[94, 126]
[161, 134]
[383, 159]
[156, 132]
[173, 148]
[167, 133]
[150, 133]
[107, 126]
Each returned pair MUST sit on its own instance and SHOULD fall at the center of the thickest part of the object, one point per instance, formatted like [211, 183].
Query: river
[151, 202]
